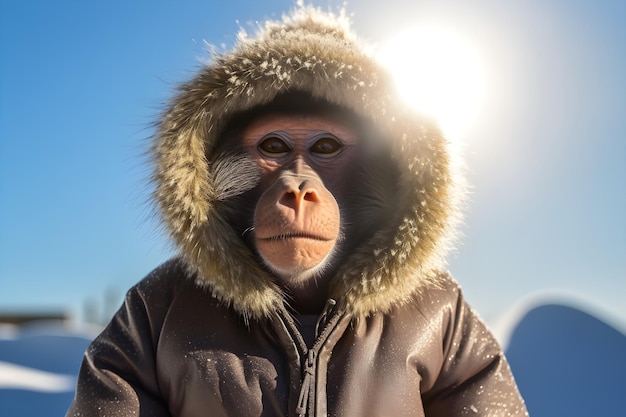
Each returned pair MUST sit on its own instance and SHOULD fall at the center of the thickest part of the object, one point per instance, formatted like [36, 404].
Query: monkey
[296, 219]
[311, 211]
[310, 198]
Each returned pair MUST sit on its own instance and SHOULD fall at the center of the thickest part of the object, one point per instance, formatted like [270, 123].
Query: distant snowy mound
[567, 362]
[38, 368]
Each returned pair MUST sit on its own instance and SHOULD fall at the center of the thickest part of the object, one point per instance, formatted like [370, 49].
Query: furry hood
[316, 53]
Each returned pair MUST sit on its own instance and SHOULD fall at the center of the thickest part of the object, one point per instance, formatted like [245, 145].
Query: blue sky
[82, 82]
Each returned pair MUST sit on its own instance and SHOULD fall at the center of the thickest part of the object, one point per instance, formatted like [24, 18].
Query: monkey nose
[296, 198]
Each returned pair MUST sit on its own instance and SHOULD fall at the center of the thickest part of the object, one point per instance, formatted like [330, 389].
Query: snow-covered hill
[38, 367]
[566, 361]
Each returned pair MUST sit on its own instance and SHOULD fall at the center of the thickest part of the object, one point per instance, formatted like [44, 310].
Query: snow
[38, 367]
[22, 377]
[565, 359]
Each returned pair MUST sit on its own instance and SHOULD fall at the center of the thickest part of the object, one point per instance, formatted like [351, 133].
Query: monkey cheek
[294, 256]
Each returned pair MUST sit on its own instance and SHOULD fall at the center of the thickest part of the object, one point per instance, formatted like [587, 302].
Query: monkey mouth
[295, 235]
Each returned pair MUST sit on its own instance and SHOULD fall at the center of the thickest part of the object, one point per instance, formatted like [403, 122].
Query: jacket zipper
[308, 384]
[306, 398]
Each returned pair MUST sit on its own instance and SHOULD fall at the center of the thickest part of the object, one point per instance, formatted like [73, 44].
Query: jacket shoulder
[443, 290]
[167, 277]
[155, 292]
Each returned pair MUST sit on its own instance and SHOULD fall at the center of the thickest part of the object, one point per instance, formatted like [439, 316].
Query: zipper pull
[308, 383]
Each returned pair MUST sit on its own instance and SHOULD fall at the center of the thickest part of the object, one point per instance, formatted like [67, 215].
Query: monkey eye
[326, 147]
[273, 147]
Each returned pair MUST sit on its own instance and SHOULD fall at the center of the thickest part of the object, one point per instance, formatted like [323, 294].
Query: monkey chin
[295, 260]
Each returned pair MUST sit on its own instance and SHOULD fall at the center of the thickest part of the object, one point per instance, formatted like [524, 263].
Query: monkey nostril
[289, 199]
[311, 196]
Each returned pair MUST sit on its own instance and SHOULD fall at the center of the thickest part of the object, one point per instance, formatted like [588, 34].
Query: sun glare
[438, 73]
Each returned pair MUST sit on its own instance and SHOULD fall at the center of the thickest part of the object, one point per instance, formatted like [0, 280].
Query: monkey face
[306, 164]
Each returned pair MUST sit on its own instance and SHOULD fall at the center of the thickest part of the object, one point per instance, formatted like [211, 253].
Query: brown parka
[210, 333]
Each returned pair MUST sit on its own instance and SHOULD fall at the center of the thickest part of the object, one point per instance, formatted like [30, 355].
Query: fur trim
[316, 53]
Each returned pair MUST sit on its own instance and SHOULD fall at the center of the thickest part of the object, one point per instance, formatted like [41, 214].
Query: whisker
[247, 230]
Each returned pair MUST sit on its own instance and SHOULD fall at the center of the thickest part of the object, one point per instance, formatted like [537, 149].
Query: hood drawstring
[322, 321]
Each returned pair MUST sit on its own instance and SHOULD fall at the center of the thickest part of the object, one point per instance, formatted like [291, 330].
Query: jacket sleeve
[118, 372]
[475, 378]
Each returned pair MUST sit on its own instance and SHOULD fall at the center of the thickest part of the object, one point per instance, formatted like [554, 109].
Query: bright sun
[438, 73]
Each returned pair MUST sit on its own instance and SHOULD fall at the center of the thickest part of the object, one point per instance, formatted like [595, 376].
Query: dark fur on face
[371, 199]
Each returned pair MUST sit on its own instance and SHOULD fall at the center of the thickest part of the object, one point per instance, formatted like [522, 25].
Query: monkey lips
[295, 253]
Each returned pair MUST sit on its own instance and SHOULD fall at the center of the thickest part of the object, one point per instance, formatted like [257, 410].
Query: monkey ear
[233, 175]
